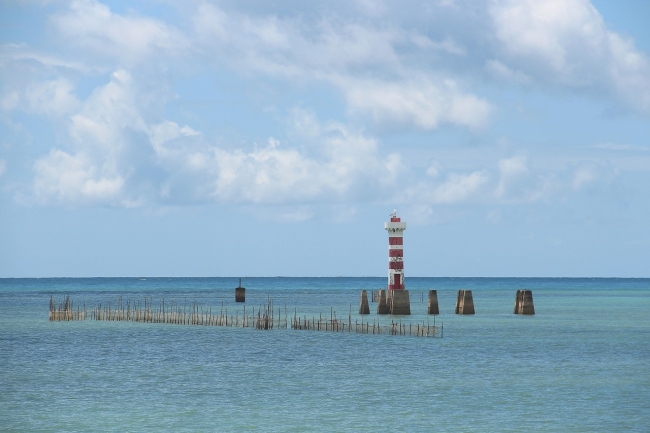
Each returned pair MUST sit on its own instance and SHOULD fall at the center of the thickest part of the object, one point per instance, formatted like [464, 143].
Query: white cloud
[21, 53]
[448, 44]
[510, 181]
[456, 187]
[563, 43]
[10, 101]
[91, 24]
[76, 179]
[366, 64]
[3, 167]
[434, 169]
[127, 145]
[102, 135]
[38, 84]
[512, 171]
[121, 158]
[347, 166]
[290, 47]
[419, 103]
[372, 8]
[459, 187]
[109, 113]
[520, 183]
[52, 97]
[503, 72]
[567, 43]
[583, 176]
[587, 175]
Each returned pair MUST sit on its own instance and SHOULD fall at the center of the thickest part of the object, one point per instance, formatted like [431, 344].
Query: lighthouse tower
[397, 297]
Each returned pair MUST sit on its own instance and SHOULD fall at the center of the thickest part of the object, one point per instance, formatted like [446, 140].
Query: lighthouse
[397, 298]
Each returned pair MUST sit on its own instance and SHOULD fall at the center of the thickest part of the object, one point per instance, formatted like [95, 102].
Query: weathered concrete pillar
[433, 302]
[240, 293]
[517, 301]
[364, 308]
[524, 302]
[399, 302]
[464, 302]
[382, 305]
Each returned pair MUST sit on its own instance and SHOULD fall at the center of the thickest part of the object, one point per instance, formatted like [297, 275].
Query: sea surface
[581, 364]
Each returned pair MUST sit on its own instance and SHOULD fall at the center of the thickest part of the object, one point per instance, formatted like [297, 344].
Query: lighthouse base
[399, 302]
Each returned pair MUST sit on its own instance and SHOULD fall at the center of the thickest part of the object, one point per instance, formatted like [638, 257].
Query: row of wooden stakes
[195, 314]
[186, 314]
[394, 328]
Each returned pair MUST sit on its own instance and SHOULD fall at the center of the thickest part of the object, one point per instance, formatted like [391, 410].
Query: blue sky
[241, 138]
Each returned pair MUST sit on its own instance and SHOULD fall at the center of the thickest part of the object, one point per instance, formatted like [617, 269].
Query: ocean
[581, 364]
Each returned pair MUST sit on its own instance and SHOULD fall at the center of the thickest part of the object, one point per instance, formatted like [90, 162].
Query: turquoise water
[582, 363]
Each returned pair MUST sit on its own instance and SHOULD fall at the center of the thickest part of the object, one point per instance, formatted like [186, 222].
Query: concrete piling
[240, 293]
[382, 305]
[464, 302]
[364, 308]
[432, 308]
[524, 302]
[399, 302]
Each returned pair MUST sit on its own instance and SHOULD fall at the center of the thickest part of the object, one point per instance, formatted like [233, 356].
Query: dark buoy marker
[240, 293]
[524, 302]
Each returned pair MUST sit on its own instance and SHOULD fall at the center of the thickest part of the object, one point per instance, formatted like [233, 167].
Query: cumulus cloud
[120, 154]
[518, 182]
[372, 8]
[503, 72]
[347, 166]
[365, 63]
[37, 83]
[420, 103]
[506, 181]
[453, 188]
[12, 53]
[117, 156]
[123, 144]
[91, 24]
[567, 43]
[51, 97]
[97, 164]
[109, 113]
[76, 179]
[459, 187]
[511, 171]
[292, 47]
[587, 175]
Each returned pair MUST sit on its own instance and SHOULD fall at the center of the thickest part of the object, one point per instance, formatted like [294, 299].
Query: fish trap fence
[264, 317]
[394, 328]
[193, 313]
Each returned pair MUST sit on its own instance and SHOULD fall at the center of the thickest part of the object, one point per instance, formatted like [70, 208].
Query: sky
[244, 138]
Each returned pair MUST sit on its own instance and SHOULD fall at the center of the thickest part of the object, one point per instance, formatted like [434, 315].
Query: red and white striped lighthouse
[395, 229]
